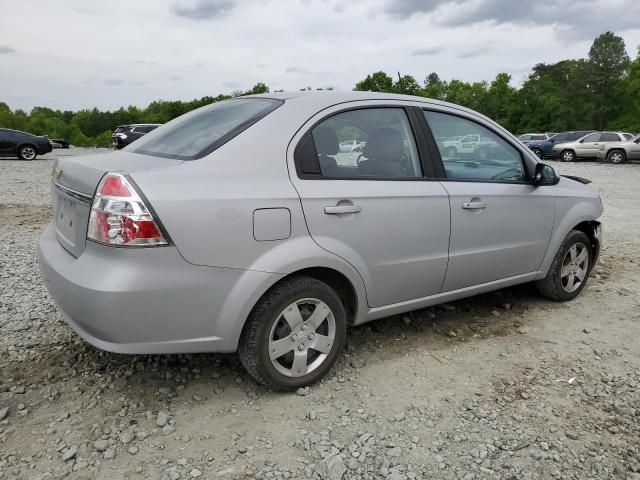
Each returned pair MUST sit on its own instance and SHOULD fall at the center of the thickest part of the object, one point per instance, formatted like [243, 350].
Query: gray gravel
[504, 386]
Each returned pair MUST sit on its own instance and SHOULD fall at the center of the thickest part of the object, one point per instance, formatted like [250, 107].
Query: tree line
[600, 92]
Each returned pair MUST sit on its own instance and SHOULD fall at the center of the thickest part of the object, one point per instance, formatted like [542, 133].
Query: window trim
[442, 175]
[421, 143]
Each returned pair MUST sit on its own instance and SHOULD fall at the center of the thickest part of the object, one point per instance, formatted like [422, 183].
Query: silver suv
[243, 226]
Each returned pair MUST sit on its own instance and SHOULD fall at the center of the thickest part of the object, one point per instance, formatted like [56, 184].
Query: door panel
[505, 238]
[500, 223]
[373, 207]
[398, 240]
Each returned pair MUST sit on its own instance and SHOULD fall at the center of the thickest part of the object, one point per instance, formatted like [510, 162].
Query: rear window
[200, 132]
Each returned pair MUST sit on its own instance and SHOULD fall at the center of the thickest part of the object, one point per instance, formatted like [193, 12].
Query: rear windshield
[200, 132]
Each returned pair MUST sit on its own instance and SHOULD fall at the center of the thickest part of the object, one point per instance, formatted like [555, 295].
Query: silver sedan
[243, 226]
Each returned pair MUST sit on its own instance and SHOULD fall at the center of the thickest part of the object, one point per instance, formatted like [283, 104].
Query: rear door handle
[339, 209]
[474, 205]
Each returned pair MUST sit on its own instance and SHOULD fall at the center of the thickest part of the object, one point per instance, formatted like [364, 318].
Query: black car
[125, 134]
[545, 149]
[59, 143]
[22, 144]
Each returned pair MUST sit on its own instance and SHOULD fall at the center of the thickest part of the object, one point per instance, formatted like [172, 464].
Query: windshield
[201, 131]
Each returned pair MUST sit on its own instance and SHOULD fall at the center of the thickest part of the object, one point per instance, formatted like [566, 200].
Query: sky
[73, 54]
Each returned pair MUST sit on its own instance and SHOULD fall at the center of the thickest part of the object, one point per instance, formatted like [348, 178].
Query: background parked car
[620, 152]
[351, 145]
[544, 149]
[125, 134]
[59, 143]
[22, 144]
[533, 137]
[587, 147]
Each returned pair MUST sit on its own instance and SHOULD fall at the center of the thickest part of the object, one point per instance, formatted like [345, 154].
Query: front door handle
[340, 209]
[476, 205]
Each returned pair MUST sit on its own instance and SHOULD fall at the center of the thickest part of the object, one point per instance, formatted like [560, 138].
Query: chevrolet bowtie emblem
[57, 171]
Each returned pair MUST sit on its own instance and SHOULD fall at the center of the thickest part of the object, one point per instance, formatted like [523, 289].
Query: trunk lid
[74, 182]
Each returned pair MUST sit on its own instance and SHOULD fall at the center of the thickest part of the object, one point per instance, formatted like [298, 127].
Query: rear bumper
[148, 300]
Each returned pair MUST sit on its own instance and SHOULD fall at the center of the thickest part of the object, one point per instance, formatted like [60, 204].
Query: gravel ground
[503, 386]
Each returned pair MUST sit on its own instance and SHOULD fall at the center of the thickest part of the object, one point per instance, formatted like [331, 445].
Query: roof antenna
[400, 83]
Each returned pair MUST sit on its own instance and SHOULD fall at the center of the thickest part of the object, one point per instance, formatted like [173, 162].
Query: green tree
[376, 82]
[608, 66]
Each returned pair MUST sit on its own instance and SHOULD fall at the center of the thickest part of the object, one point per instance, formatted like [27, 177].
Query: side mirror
[545, 175]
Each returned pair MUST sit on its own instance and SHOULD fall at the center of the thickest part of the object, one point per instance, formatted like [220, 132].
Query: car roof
[325, 99]
[139, 125]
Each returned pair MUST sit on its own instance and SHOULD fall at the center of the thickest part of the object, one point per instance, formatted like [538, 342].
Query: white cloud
[140, 51]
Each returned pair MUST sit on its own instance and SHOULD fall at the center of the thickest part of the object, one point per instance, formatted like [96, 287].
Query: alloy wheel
[568, 156]
[575, 267]
[616, 157]
[302, 337]
[28, 153]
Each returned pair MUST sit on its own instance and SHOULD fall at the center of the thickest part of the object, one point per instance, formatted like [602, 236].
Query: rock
[109, 454]
[168, 429]
[571, 434]
[242, 450]
[303, 392]
[3, 413]
[133, 450]
[394, 452]
[331, 468]
[357, 362]
[127, 437]
[162, 419]
[195, 473]
[101, 445]
[69, 453]
[396, 476]
[452, 334]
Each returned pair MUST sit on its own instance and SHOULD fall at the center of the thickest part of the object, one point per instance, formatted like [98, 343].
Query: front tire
[569, 270]
[27, 152]
[568, 156]
[617, 157]
[294, 334]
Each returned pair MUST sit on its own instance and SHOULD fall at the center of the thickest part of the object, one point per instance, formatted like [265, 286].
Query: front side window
[367, 143]
[198, 133]
[485, 156]
[594, 137]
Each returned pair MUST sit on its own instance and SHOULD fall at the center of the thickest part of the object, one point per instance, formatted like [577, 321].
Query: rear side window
[121, 129]
[594, 137]
[627, 136]
[198, 133]
[538, 137]
[478, 155]
[369, 143]
[609, 137]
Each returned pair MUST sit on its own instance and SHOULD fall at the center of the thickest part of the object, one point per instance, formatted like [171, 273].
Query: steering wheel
[508, 174]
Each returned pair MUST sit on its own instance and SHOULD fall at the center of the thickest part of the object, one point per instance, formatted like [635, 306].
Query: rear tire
[617, 157]
[538, 152]
[568, 156]
[569, 270]
[27, 152]
[294, 334]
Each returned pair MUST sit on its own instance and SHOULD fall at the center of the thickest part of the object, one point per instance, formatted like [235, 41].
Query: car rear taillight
[120, 217]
